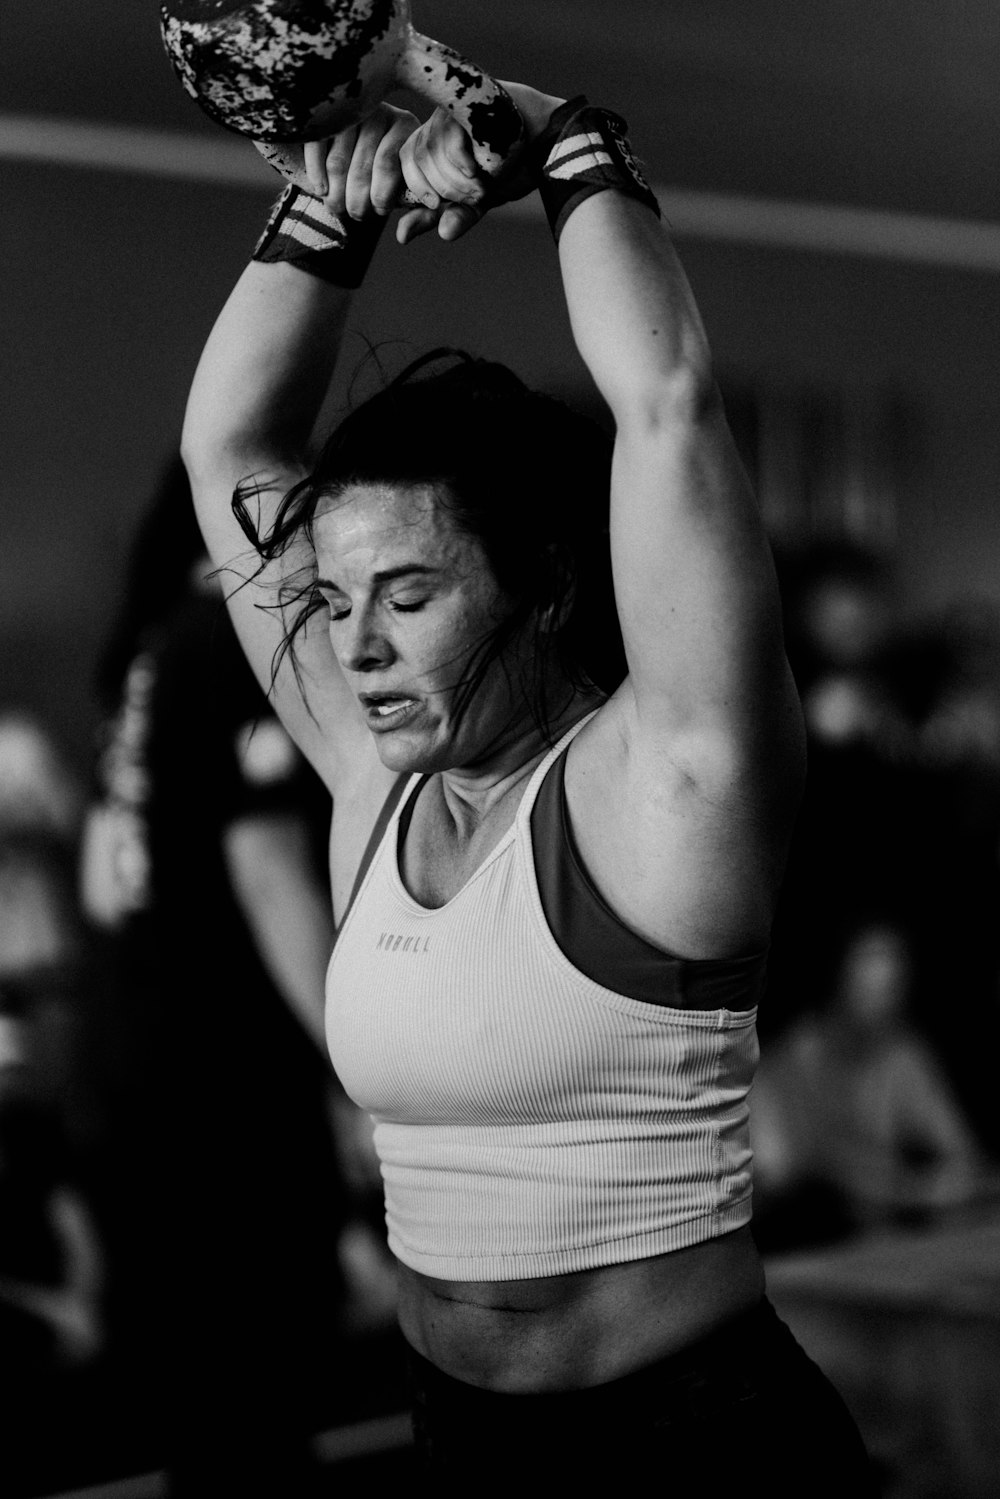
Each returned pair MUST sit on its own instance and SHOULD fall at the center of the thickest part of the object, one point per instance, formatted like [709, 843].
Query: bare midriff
[563, 1332]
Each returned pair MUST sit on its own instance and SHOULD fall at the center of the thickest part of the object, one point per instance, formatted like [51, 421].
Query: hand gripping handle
[437, 73]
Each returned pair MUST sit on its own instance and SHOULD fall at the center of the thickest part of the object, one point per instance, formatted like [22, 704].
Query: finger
[340, 152]
[374, 178]
[357, 186]
[314, 156]
[446, 181]
[458, 152]
[414, 222]
[442, 153]
[451, 222]
[387, 182]
[415, 180]
[457, 219]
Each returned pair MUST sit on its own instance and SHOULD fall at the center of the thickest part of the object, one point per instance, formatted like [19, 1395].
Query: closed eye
[335, 609]
[397, 608]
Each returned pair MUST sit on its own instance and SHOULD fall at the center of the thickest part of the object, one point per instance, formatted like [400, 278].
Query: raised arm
[700, 753]
[712, 770]
[694, 582]
[253, 405]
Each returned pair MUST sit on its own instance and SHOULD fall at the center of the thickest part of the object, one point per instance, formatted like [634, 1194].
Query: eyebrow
[388, 574]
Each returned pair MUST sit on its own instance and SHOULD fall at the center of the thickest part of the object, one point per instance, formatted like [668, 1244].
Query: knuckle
[339, 154]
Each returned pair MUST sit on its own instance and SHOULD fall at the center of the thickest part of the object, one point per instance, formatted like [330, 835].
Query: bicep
[694, 585]
[258, 389]
[694, 581]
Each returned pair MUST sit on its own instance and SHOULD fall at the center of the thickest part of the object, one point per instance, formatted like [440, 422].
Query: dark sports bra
[590, 935]
[600, 945]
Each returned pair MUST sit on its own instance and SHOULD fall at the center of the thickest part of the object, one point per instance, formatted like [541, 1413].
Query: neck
[472, 793]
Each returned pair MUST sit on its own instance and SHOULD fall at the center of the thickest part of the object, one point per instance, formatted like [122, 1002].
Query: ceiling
[888, 105]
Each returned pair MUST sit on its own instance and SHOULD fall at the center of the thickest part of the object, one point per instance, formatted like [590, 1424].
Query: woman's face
[410, 598]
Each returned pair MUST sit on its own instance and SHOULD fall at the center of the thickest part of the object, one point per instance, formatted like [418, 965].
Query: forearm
[631, 310]
[680, 497]
[694, 583]
[268, 362]
[264, 372]
[287, 911]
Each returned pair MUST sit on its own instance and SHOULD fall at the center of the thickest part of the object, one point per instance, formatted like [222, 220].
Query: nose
[360, 644]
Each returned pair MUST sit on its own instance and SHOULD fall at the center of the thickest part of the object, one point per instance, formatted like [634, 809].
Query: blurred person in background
[855, 835]
[856, 1123]
[838, 604]
[902, 805]
[946, 667]
[201, 863]
[53, 1330]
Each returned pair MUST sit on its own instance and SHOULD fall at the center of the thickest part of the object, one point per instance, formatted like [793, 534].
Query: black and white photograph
[500, 749]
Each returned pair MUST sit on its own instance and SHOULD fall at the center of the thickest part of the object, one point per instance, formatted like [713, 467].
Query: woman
[561, 1120]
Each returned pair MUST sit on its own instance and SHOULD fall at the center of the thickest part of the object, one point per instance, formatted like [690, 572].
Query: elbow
[193, 459]
[199, 455]
[216, 460]
[684, 398]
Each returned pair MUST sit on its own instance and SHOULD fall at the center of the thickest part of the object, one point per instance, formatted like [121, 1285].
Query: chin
[407, 755]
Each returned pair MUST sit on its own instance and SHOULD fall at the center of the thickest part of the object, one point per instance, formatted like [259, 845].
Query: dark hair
[517, 469]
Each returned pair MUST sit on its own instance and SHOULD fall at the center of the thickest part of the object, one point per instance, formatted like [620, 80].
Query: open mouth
[386, 708]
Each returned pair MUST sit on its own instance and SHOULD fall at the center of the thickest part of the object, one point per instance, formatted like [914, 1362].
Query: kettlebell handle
[437, 73]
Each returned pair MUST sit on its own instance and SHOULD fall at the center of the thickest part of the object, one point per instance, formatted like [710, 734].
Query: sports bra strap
[375, 838]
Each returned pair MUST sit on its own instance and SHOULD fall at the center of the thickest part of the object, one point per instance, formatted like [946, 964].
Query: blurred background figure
[857, 836]
[884, 996]
[838, 603]
[52, 1263]
[203, 863]
[858, 1127]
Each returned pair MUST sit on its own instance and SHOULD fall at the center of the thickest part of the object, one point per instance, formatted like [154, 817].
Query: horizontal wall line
[954, 244]
[828, 229]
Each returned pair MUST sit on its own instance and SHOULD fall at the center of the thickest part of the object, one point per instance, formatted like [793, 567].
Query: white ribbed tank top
[528, 1120]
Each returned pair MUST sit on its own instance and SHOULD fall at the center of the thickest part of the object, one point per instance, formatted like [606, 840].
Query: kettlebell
[286, 71]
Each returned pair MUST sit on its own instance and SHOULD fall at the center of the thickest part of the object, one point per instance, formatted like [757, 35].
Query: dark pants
[744, 1406]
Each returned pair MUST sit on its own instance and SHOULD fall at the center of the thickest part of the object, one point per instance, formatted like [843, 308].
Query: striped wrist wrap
[303, 231]
[585, 150]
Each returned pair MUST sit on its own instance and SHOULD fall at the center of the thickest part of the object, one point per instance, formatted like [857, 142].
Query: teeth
[385, 709]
